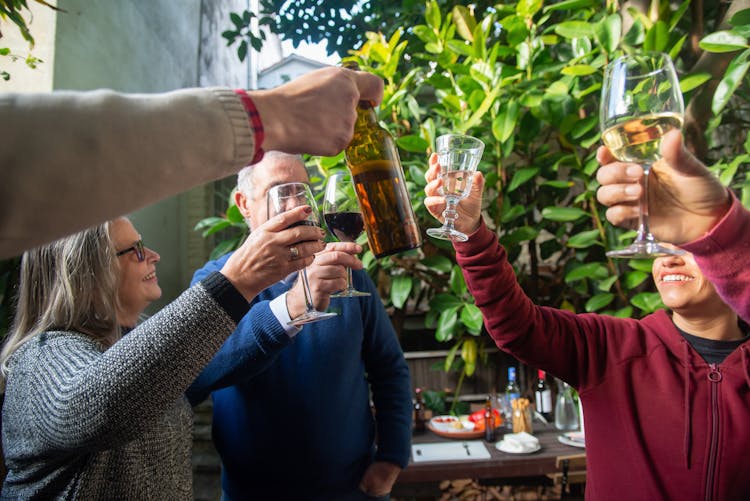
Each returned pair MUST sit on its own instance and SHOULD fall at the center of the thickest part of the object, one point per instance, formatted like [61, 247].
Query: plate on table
[460, 434]
[503, 446]
[573, 438]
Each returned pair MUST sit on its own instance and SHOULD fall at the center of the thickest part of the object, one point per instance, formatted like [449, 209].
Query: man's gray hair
[245, 176]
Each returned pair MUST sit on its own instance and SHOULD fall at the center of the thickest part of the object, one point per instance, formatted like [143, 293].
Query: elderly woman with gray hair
[90, 413]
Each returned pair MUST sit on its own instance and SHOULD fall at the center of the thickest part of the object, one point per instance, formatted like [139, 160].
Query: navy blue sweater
[294, 413]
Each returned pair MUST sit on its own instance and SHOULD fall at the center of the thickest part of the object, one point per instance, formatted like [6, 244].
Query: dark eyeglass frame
[138, 248]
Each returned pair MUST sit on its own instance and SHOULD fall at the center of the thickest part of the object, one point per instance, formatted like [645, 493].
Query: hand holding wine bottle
[641, 102]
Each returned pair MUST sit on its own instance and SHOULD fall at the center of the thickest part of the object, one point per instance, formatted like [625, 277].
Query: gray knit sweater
[83, 423]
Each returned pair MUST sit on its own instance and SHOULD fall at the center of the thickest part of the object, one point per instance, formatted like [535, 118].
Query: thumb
[477, 186]
[673, 151]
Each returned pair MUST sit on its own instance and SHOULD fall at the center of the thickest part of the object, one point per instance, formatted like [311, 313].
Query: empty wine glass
[343, 219]
[458, 156]
[284, 197]
[641, 102]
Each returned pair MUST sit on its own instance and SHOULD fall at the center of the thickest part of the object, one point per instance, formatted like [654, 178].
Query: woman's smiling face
[681, 283]
[138, 285]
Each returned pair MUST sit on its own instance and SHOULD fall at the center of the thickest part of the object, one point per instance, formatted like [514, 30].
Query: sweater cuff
[255, 123]
[478, 241]
[226, 295]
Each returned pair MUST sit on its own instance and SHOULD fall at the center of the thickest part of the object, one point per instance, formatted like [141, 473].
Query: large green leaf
[579, 70]
[438, 262]
[657, 37]
[432, 14]
[690, 82]
[505, 122]
[400, 288]
[471, 317]
[441, 302]
[647, 301]
[518, 235]
[413, 143]
[633, 279]
[733, 78]
[457, 282]
[575, 29]
[584, 239]
[563, 213]
[571, 5]
[465, 22]
[588, 270]
[446, 324]
[723, 41]
[521, 176]
[599, 301]
[609, 32]
[741, 18]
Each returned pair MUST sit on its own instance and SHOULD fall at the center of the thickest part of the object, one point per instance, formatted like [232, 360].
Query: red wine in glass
[346, 226]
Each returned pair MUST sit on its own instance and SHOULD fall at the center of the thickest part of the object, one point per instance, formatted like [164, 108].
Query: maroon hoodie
[661, 423]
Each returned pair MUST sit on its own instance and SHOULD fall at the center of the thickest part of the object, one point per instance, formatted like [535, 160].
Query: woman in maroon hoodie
[667, 397]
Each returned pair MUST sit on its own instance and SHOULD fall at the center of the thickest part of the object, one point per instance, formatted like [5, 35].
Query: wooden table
[500, 467]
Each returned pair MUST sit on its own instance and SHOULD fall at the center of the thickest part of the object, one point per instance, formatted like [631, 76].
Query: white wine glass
[458, 156]
[284, 197]
[641, 102]
[343, 219]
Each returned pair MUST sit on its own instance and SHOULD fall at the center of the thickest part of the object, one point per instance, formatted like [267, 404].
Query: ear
[241, 201]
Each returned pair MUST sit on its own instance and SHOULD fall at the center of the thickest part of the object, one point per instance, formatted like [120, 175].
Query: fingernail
[308, 209]
[632, 190]
[633, 171]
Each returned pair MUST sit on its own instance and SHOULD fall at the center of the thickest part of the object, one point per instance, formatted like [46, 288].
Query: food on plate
[478, 419]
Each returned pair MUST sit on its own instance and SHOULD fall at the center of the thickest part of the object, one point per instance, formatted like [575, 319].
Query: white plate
[567, 441]
[502, 446]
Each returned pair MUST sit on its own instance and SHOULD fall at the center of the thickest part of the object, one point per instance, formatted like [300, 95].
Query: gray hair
[245, 181]
[70, 284]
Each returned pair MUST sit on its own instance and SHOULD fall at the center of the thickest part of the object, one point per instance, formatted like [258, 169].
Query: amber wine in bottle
[379, 183]
[639, 140]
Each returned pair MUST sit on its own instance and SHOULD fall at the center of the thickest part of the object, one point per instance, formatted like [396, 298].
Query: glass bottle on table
[419, 419]
[489, 420]
[566, 410]
[512, 392]
[543, 396]
[379, 182]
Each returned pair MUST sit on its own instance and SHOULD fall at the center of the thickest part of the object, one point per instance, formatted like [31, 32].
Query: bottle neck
[366, 116]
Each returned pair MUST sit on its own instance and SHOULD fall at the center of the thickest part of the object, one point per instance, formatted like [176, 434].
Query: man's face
[265, 175]
[681, 284]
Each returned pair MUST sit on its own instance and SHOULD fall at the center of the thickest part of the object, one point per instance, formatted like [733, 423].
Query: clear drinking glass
[641, 101]
[343, 219]
[459, 157]
[284, 197]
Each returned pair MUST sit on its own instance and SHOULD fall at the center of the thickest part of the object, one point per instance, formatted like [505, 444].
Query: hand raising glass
[458, 156]
[282, 198]
[343, 219]
[641, 102]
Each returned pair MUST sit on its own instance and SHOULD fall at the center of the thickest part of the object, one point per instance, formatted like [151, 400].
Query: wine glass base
[444, 233]
[351, 293]
[311, 316]
[644, 250]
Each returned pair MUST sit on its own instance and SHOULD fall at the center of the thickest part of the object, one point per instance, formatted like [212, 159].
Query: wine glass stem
[306, 290]
[644, 234]
[450, 214]
[349, 285]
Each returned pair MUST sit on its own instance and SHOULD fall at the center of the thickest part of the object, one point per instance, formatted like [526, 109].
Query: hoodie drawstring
[687, 405]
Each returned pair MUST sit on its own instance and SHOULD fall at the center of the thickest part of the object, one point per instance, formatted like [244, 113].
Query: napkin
[521, 442]
[450, 451]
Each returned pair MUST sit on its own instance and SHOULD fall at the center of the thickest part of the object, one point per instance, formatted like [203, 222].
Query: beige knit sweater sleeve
[69, 160]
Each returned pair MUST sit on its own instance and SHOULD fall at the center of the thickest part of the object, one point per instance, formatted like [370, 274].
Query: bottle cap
[540, 373]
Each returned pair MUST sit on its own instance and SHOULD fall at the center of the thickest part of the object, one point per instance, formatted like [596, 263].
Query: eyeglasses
[138, 248]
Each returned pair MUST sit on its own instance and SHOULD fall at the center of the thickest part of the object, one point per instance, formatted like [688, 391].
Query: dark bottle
[489, 420]
[419, 421]
[379, 183]
[543, 396]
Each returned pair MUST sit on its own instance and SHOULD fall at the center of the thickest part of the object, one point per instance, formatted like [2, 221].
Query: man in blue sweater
[291, 406]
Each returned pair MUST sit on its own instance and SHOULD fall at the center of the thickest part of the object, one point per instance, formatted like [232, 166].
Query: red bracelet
[255, 123]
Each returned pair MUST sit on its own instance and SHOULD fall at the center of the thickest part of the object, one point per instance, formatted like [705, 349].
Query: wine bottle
[489, 420]
[379, 183]
[419, 419]
[543, 396]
